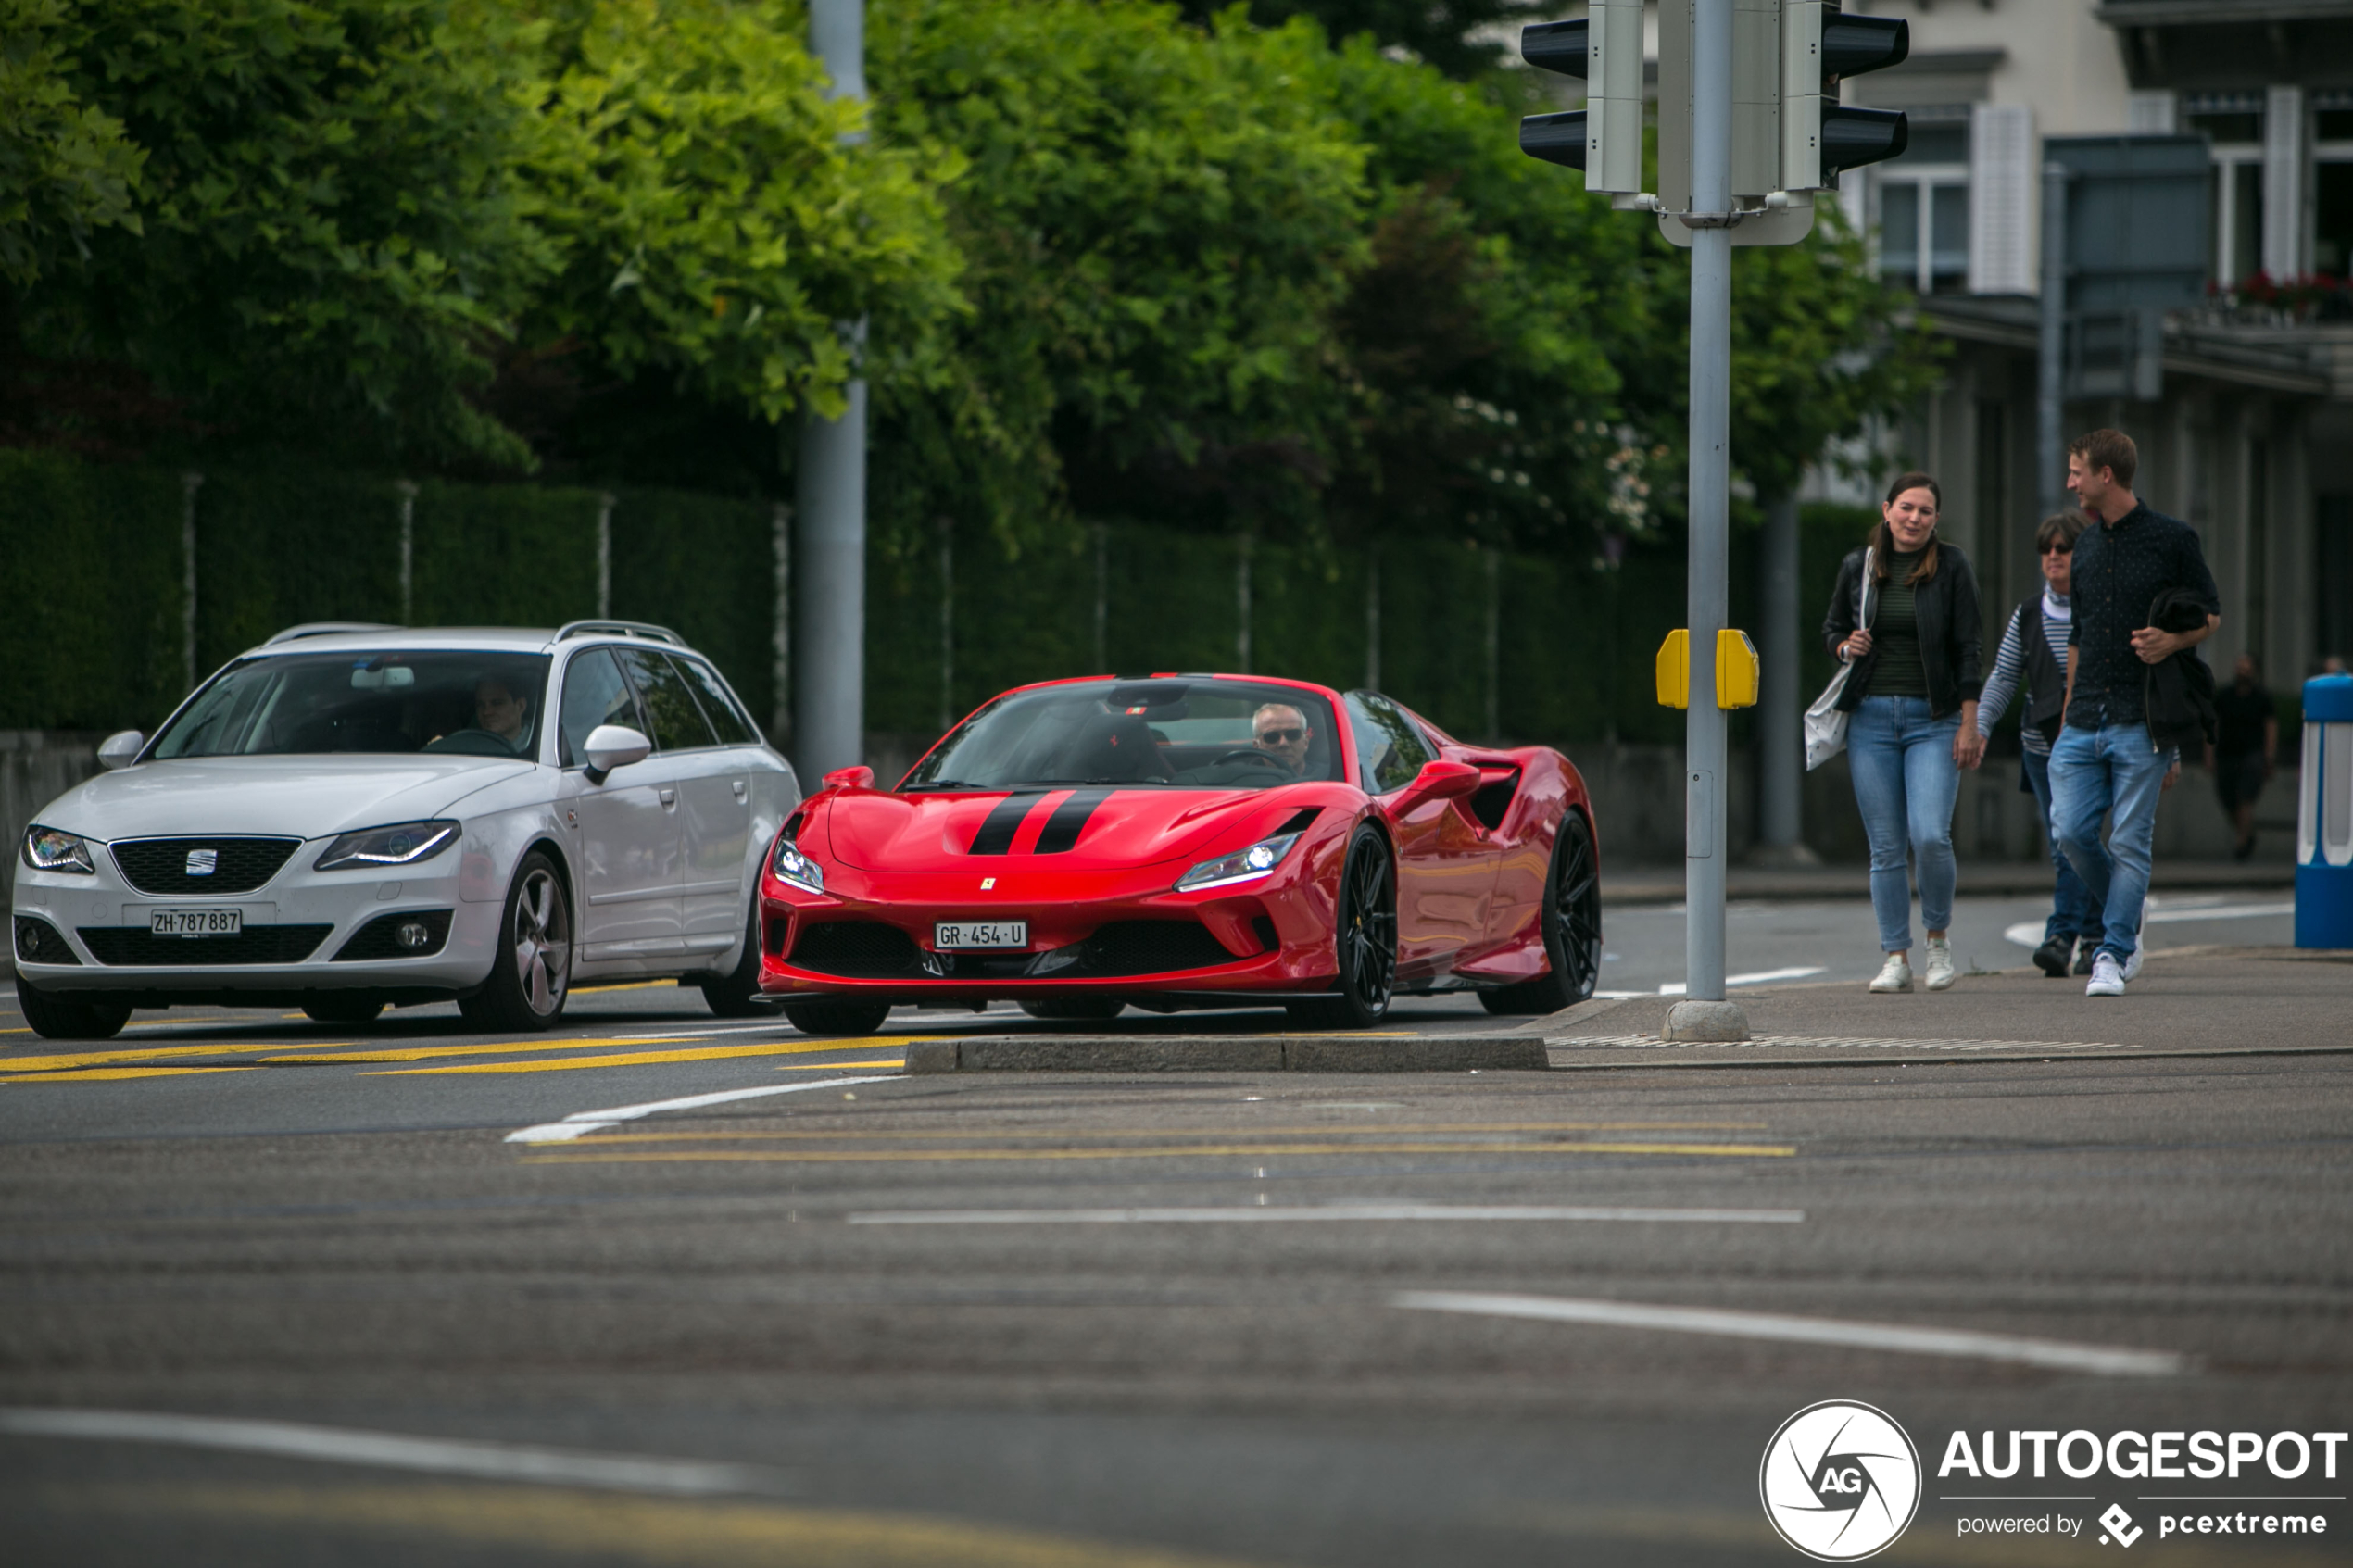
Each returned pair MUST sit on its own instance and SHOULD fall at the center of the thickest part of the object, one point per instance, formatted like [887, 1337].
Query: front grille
[38, 942]
[380, 938]
[240, 865]
[855, 947]
[1151, 947]
[136, 947]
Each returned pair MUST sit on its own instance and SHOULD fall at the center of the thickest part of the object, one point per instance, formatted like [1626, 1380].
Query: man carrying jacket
[2109, 757]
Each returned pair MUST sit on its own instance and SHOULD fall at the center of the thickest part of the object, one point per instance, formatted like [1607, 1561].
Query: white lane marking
[2029, 934]
[1759, 978]
[1326, 1212]
[2064, 1355]
[504, 1461]
[583, 1121]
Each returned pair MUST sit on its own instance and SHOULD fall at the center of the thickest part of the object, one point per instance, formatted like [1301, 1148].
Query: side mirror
[120, 749]
[860, 777]
[614, 745]
[1438, 780]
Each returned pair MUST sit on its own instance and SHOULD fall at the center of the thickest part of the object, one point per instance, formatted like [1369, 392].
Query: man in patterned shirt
[2106, 758]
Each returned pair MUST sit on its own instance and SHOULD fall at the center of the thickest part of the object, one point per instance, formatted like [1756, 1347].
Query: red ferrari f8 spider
[1185, 841]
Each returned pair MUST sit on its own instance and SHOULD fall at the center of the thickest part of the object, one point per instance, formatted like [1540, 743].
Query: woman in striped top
[2034, 656]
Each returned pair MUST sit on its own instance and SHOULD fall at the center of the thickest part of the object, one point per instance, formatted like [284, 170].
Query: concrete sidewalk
[1663, 884]
[2187, 1001]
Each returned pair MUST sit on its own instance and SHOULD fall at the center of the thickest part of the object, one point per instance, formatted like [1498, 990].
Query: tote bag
[1825, 725]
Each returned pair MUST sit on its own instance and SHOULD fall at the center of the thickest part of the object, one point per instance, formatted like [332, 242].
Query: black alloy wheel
[1572, 930]
[836, 1015]
[347, 1011]
[55, 1016]
[1365, 942]
[1092, 1010]
[531, 976]
[736, 994]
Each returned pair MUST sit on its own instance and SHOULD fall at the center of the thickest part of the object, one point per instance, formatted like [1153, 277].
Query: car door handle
[669, 797]
[737, 785]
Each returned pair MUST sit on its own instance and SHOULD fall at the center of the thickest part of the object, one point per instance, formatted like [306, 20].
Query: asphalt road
[1071, 1321]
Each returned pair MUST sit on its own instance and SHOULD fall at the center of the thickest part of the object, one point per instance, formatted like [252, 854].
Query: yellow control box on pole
[1675, 669]
[1738, 670]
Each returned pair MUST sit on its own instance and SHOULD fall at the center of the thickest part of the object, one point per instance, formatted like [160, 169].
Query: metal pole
[2050, 452]
[190, 483]
[407, 491]
[1241, 605]
[780, 668]
[830, 690]
[1711, 390]
[947, 623]
[1102, 597]
[1780, 753]
[1494, 648]
[604, 554]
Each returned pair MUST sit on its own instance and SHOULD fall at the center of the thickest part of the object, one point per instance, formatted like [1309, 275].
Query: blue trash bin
[2324, 816]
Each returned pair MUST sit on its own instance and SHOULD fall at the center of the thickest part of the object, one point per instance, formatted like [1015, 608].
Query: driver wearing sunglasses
[1281, 731]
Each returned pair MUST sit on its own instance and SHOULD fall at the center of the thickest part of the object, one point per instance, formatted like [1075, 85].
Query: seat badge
[203, 862]
[986, 882]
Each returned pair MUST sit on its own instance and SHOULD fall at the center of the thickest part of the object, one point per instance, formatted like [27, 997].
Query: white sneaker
[1895, 975]
[2133, 964]
[2107, 977]
[1940, 973]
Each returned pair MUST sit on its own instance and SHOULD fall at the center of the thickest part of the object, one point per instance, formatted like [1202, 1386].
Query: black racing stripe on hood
[1061, 830]
[995, 835]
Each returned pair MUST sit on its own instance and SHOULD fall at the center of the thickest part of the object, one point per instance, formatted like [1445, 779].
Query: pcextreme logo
[1840, 1481]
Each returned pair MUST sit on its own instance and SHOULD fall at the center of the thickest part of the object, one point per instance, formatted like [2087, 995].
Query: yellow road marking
[839, 1066]
[704, 1533]
[97, 1074]
[156, 1053]
[423, 1053]
[1179, 1133]
[646, 1058]
[1199, 1152]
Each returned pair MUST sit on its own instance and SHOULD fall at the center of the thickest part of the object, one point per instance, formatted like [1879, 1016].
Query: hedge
[92, 567]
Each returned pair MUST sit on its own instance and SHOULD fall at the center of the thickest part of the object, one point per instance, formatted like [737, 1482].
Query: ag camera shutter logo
[1840, 1481]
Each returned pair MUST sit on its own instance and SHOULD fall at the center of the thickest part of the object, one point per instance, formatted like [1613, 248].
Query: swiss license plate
[950, 933]
[196, 923]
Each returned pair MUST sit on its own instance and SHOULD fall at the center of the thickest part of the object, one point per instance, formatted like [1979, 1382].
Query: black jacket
[1945, 607]
[2180, 694]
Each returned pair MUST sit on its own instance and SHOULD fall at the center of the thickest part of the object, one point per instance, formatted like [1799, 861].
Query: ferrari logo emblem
[987, 882]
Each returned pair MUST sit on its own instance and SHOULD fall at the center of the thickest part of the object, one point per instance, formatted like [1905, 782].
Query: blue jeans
[2072, 912]
[2093, 772]
[1905, 781]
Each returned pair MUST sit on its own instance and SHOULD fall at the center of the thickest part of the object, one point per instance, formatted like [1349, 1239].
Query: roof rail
[327, 629]
[618, 629]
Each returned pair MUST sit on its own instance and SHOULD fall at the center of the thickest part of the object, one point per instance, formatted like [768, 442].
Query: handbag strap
[1862, 618]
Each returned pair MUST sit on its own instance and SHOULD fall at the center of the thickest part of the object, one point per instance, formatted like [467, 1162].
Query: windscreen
[1183, 734]
[285, 705]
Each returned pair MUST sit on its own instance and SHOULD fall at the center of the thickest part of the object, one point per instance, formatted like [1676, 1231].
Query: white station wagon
[351, 817]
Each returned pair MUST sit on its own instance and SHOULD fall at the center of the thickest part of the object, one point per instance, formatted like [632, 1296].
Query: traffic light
[1820, 47]
[1605, 138]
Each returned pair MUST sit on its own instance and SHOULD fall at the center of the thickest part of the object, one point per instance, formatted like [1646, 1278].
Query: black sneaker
[2083, 956]
[2052, 957]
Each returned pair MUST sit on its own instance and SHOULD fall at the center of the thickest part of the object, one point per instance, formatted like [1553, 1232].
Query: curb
[1261, 1053]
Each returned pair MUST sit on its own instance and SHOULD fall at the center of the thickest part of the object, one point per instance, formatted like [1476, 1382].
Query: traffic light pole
[1704, 1013]
[829, 662]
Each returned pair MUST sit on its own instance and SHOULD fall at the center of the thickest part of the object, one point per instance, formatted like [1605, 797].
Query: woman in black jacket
[1912, 702]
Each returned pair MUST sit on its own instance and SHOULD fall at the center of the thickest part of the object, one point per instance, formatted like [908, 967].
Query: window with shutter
[2001, 199]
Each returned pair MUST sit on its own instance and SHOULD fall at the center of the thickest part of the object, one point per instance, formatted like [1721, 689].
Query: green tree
[66, 168]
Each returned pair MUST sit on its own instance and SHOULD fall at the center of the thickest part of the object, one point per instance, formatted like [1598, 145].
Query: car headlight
[795, 869]
[1243, 865]
[402, 844]
[47, 849]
